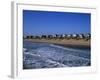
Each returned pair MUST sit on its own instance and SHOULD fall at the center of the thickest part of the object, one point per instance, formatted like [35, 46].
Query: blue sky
[47, 22]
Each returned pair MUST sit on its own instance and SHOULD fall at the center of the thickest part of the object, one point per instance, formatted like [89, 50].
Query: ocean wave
[37, 61]
[57, 54]
[24, 49]
[52, 56]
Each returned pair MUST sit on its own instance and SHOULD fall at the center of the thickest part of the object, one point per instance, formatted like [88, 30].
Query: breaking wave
[42, 55]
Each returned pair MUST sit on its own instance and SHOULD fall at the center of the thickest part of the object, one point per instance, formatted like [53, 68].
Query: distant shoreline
[82, 44]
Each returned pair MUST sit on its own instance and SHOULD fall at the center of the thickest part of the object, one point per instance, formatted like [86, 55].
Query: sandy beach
[64, 42]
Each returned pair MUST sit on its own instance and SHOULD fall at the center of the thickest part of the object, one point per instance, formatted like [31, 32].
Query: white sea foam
[56, 63]
[56, 55]
[50, 55]
[24, 49]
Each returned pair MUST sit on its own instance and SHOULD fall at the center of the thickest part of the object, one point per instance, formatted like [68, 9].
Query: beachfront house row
[69, 36]
[59, 36]
[81, 36]
[49, 36]
[87, 36]
[74, 36]
[63, 35]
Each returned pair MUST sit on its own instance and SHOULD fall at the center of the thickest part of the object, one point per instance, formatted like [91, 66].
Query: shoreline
[75, 46]
[71, 43]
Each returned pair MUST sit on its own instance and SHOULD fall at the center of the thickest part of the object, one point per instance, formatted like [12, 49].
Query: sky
[48, 22]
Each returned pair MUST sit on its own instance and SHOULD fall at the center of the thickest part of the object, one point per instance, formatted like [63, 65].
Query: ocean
[46, 55]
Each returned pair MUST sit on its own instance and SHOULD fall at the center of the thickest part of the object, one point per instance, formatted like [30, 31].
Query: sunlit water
[45, 55]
